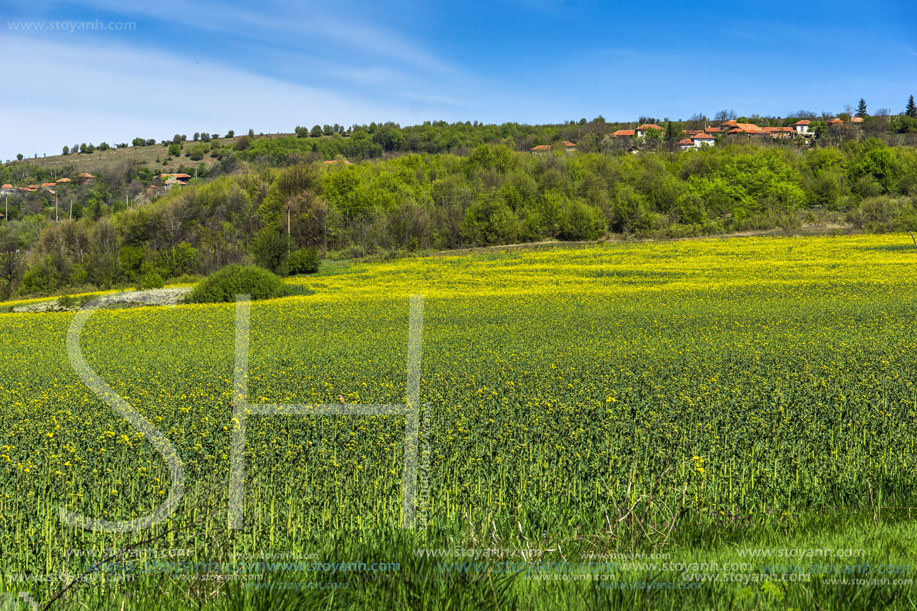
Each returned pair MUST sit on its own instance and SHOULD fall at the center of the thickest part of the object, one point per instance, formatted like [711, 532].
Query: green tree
[911, 109]
[305, 261]
[67, 148]
[19, 156]
[861, 108]
[271, 250]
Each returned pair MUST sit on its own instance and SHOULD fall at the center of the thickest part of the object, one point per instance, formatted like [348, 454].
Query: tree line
[493, 195]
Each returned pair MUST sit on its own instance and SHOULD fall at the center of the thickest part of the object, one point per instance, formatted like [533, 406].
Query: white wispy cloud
[79, 93]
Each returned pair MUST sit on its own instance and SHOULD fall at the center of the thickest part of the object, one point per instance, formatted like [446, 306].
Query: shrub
[304, 261]
[270, 248]
[150, 280]
[232, 280]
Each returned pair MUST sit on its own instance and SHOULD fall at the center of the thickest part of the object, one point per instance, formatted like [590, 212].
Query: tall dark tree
[669, 132]
[911, 109]
[861, 108]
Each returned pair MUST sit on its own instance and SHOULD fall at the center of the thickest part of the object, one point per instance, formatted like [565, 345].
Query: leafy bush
[270, 248]
[232, 280]
[150, 280]
[304, 261]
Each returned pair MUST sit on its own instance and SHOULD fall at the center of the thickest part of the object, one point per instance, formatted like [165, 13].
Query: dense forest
[264, 199]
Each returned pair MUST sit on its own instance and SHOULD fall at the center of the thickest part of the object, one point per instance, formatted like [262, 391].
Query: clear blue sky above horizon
[160, 68]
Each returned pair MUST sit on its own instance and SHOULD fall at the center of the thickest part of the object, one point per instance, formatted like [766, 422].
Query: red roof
[713, 130]
[568, 143]
[702, 137]
[62, 180]
[6, 187]
[86, 175]
[623, 132]
[541, 147]
[646, 126]
[49, 184]
[856, 119]
[730, 123]
[34, 186]
[802, 122]
[686, 141]
[835, 121]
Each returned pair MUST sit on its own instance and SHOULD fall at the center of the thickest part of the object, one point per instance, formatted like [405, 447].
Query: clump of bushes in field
[232, 280]
[304, 261]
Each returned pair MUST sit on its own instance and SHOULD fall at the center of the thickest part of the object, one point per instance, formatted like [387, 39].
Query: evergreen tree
[911, 109]
[861, 108]
[669, 132]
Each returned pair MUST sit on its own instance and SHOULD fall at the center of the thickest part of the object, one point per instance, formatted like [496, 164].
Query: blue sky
[158, 68]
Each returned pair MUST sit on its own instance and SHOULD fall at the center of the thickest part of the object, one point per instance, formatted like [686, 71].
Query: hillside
[261, 199]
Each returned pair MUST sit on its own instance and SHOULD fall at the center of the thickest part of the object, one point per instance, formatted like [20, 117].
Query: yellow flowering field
[752, 378]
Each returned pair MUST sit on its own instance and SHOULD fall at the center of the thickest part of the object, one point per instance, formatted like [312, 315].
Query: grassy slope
[114, 159]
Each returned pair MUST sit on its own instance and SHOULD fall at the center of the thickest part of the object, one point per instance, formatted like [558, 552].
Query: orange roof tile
[856, 119]
[568, 143]
[623, 132]
[713, 130]
[49, 184]
[802, 122]
[750, 128]
[702, 136]
[835, 121]
[646, 126]
[86, 175]
[541, 147]
[62, 180]
[730, 123]
[686, 141]
[7, 186]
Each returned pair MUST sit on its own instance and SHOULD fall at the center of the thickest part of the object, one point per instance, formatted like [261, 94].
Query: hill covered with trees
[260, 212]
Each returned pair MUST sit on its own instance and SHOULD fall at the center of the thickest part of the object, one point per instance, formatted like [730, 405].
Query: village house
[643, 129]
[540, 149]
[802, 128]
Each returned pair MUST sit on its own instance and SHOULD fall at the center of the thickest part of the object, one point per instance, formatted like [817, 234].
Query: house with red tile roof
[686, 145]
[623, 133]
[642, 129]
[540, 149]
[856, 119]
[703, 139]
[835, 122]
[802, 128]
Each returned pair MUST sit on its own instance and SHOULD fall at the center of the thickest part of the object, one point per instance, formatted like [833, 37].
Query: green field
[749, 405]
